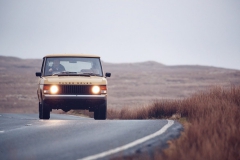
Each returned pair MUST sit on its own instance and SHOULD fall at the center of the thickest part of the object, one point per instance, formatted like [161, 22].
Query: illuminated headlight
[53, 89]
[95, 89]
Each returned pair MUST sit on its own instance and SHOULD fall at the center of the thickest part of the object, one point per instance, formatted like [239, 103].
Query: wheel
[100, 113]
[44, 111]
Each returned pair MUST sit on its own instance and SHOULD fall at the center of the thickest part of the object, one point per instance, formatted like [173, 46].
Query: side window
[48, 64]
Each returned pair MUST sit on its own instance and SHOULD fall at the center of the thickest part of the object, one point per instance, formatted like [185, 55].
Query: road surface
[24, 136]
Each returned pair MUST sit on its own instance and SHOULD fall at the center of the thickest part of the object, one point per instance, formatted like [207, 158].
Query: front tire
[100, 113]
[44, 111]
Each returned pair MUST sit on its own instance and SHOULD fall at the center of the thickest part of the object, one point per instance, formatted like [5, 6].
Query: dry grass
[213, 120]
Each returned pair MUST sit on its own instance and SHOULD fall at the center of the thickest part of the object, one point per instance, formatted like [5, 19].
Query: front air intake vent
[75, 89]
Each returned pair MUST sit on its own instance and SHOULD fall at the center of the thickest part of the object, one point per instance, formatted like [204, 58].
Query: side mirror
[108, 74]
[38, 74]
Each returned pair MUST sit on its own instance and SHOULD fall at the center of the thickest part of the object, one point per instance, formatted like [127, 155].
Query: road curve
[24, 136]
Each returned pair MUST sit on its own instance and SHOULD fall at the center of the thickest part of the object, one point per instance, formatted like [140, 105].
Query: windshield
[73, 66]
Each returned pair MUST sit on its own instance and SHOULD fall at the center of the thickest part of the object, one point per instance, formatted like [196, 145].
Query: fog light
[45, 91]
[103, 91]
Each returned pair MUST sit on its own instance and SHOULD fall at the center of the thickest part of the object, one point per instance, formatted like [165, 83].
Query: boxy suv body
[72, 82]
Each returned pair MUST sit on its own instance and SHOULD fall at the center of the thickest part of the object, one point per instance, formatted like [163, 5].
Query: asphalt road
[24, 136]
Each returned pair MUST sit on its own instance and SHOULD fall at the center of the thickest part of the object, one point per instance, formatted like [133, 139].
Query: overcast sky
[172, 32]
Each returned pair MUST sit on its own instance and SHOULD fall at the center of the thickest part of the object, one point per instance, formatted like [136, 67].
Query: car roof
[72, 55]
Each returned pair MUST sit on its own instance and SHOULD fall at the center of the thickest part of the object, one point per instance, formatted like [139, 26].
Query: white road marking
[18, 128]
[132, 144]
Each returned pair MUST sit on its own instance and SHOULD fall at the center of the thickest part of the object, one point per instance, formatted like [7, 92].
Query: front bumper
[74, 97]
[88, 102]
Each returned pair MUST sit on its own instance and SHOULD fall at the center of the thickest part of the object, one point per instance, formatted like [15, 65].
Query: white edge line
[132, 144]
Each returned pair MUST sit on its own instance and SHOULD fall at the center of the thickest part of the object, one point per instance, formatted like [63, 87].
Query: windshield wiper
[86, 75]
[67, 72]
[64, 73]
[91, 74]
[72, 74]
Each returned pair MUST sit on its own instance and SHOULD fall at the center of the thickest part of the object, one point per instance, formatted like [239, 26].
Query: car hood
[73, 80]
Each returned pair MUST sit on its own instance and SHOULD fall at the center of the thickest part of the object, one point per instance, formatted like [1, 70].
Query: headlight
[53, 89]
[95, 89]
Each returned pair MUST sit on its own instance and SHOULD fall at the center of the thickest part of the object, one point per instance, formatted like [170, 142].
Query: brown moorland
[131, 85]
[150, 90]
[211, 121]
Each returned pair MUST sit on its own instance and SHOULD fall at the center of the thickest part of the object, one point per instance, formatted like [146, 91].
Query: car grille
[75, 89]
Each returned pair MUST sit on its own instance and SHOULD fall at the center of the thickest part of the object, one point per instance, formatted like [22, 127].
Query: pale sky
[172, 32]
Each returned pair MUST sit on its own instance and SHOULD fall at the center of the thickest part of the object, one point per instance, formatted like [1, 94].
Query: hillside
[131, 84]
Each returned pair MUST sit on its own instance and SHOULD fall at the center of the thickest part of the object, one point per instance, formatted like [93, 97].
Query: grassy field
[211, 120]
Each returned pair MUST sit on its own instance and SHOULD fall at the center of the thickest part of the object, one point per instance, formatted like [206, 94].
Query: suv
[73, 81]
